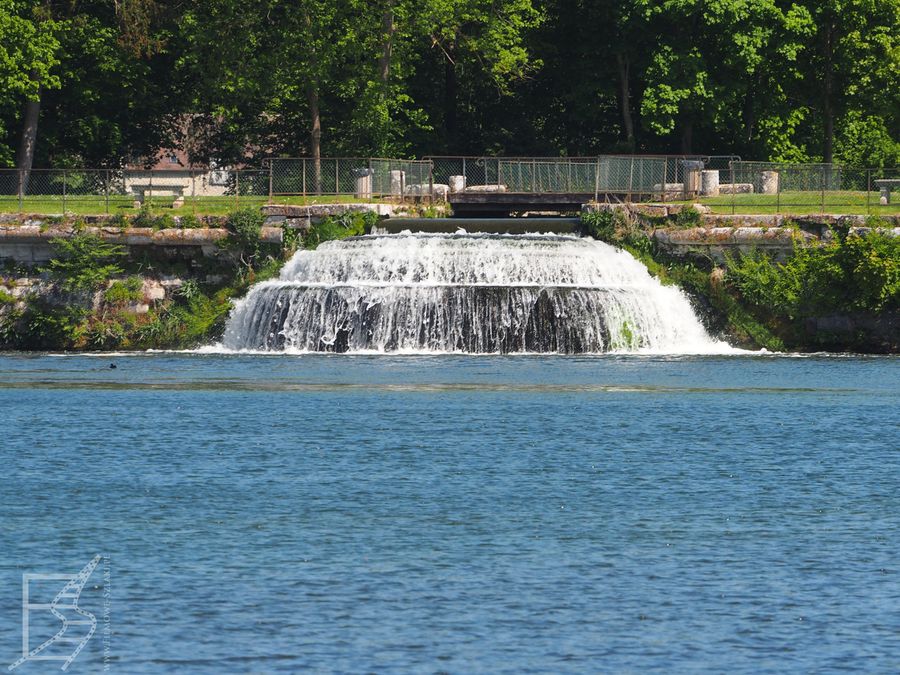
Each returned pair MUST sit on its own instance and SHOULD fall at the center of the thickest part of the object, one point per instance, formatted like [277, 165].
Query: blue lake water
[457, 514]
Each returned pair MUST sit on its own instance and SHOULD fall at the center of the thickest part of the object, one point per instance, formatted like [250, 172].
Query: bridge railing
[626, 175]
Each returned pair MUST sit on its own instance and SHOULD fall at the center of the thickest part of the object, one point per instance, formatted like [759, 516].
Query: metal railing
[764, 187]
[726, 183]
[627, 176]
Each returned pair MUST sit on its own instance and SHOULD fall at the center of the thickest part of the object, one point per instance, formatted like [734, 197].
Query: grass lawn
[803, 203]
[85, 205]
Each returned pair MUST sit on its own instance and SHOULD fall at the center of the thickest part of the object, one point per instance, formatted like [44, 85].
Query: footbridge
[502, 186]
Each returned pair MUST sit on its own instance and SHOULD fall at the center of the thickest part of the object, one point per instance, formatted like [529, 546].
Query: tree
[28, 55]
[852, 62]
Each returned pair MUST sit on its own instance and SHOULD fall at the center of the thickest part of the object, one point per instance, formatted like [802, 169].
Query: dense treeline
[94, 82]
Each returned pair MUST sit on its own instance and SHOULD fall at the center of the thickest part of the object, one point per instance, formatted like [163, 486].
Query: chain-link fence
[626, 177]
[110, 191]
[769, 187]
[725, 184]
[361, 178]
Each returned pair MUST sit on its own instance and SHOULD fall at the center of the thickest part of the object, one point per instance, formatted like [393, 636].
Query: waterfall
[469, 293]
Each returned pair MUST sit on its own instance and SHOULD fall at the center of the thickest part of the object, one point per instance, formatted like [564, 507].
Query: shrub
[123, 292]
[244, 232]
[144, 217]
[84, 262]
[190, 222]
[846, 274]
[349, 224]
[688, 217]
[600, 224]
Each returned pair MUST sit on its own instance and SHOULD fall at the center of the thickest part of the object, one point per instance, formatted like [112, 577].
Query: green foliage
[147, 218]
[6, 298]
[84, 262]
[855, 273]
[244, 232]
[189, 290]
[124, 292]
[190, 222]
[42, 325]
[688, 218]
[615, 226]
[349, 224]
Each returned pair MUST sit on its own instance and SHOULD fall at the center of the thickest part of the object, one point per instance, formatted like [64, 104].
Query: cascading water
[472, 293]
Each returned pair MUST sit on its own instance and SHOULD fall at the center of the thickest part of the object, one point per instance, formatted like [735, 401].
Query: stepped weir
[466, 293]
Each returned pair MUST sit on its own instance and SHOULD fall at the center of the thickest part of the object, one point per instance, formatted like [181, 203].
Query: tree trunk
[25, 155]
[450, 85]
[625, 96]
[387, 46]
[315, 133]
[828, 99]
[687, 136]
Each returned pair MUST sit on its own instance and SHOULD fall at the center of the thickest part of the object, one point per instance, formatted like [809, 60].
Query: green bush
[190, 222]
[349, 224]
[124, 292]
[244, 233]
[851, 273]
[84, 262]
[144, 217]
[688, 218]
[600, 224]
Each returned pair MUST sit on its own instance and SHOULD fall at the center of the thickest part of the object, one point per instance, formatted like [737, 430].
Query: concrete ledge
[31, 243]
[715, 242]
[300, 216]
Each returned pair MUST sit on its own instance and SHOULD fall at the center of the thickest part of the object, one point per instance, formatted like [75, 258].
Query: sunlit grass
[212, 206]
[803, 203]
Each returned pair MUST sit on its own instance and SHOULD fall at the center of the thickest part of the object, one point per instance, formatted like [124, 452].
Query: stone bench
[159, 189]
[886, 185]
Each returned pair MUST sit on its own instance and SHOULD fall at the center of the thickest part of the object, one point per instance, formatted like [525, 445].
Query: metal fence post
[631, 180]
[106, 191]
[431, 182]
[665, 180]
[21, 190]
[869, 191]
[824, 178]
[271, 182]
[733, 191]
[64, 191]
[237, 189]
[148, 198]
[337, 176]
[303, 168]
[778, 193]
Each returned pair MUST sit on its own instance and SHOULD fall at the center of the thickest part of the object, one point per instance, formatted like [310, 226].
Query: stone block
[709, 183]
[736, 189]
[457, 184]
[398, 182]
[769, 181]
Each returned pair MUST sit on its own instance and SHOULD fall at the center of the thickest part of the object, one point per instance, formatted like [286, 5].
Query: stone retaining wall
[30, 242]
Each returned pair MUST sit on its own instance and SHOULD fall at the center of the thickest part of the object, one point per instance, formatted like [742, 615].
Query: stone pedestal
[769, 182]
[709, 183]
[457, 184]
[691, 181]
[398, 183]
[364, 187]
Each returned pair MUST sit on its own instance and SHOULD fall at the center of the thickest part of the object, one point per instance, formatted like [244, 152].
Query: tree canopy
[102, 82]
